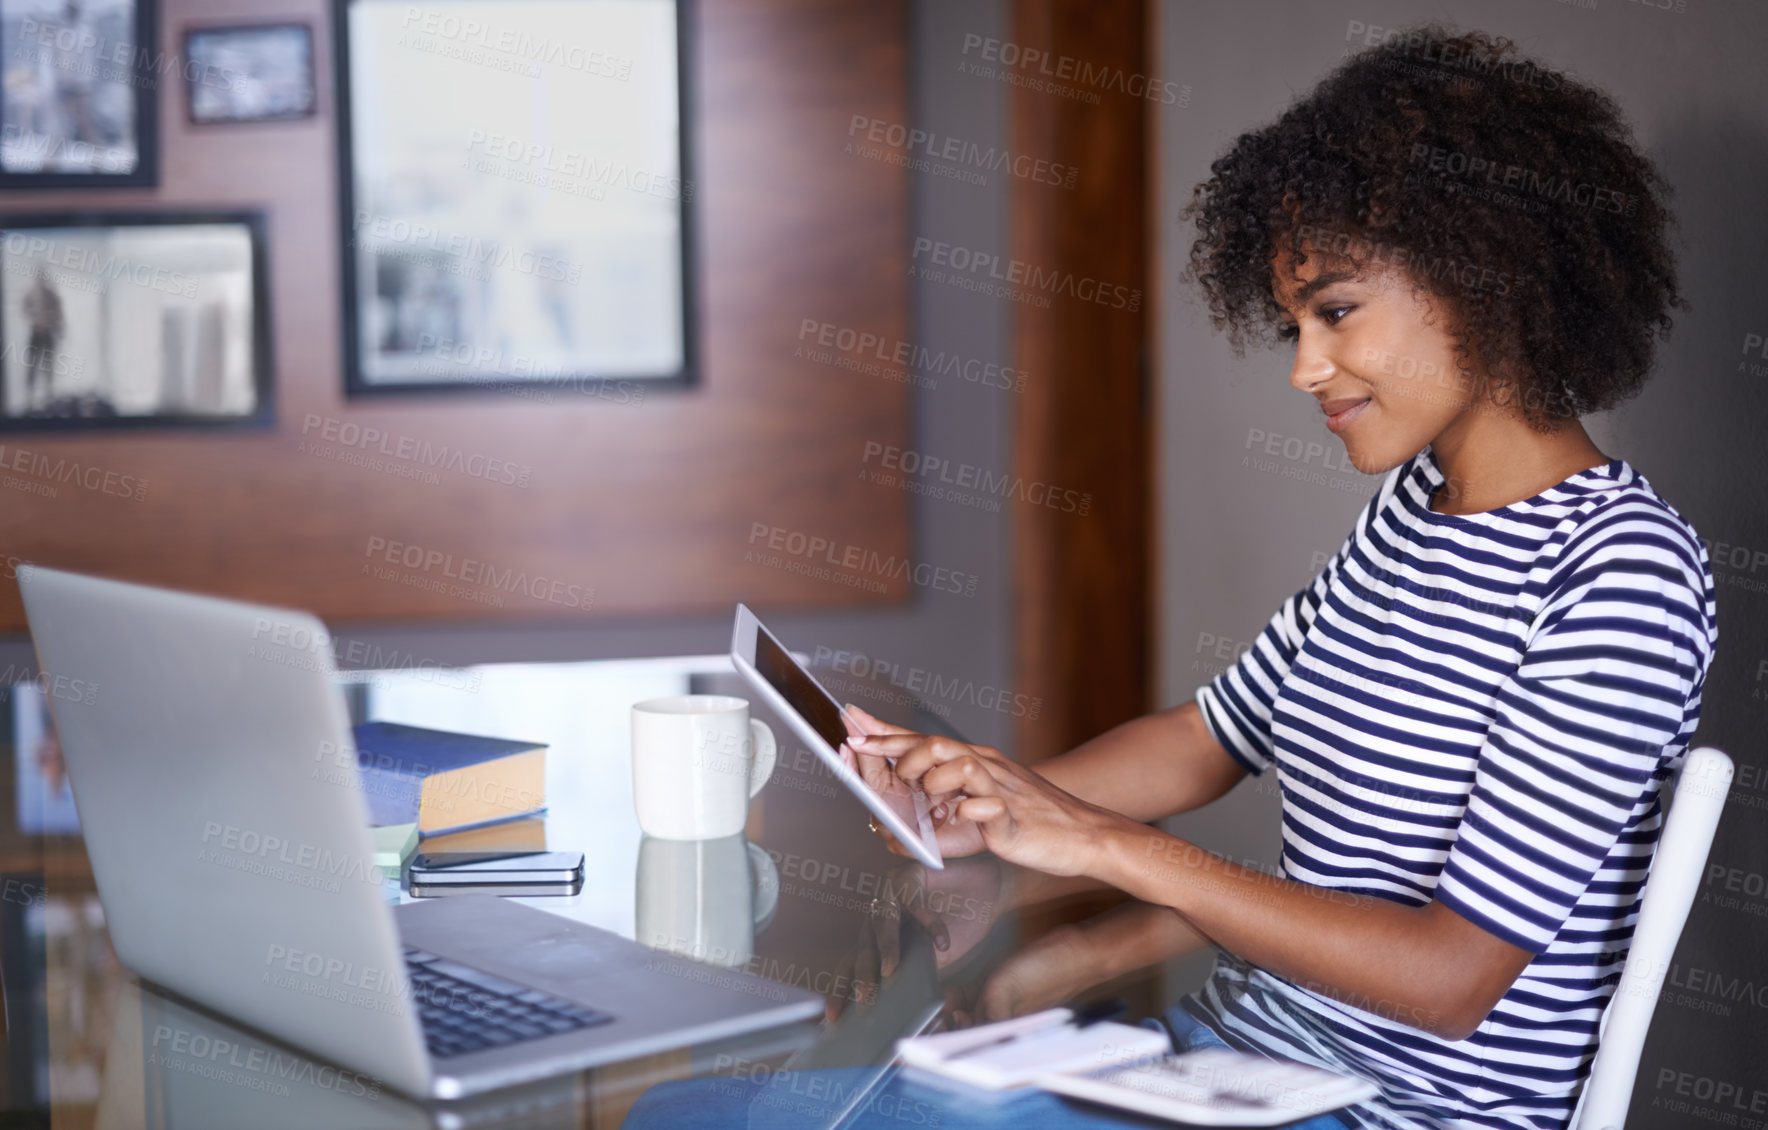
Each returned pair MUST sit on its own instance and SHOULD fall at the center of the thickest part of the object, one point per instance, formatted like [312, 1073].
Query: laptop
[230, 843]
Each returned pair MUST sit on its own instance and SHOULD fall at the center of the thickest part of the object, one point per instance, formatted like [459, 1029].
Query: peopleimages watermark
[1182, 861]
[21, 893]
[84, 54]
[1053, 71]
[62, 688]
[488, 369]
[965, 483]
[1419, 265]
[59, 363]
[1737, 565]
[478, 41]
[767, 975]
[32, 151]
[1732, 1103]
[924, 683]
[405, 456]
[249, 1066]
[871, 892]
[822, 559]
[304, 648]
[1292, 457]
[543, 164]
[1758, 343]
[1737, 889]
[803, 771]
[1431, 55]
[1498, 177]
[315, 974]
[1215, 654]
[441, 571]
[92, 266]
[40, 471]
[271, 856]
[1711, 991]
[929, 152]
[902, 361]
[813, 1097]
[472, 255]
[333, 764]
[1012, 279]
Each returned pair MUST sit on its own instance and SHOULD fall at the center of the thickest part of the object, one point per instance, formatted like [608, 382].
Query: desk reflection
[175, 1065]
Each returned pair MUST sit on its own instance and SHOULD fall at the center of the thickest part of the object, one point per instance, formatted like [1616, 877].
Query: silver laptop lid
[211, 762]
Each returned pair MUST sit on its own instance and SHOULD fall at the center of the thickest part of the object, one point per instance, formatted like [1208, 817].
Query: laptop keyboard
[463, 1010]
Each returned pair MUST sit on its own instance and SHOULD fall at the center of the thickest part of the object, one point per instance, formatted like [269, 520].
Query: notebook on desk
[1132, 1068]
[1013, 1053]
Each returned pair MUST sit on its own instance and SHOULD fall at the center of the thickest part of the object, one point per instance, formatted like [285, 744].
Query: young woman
[1472, 708]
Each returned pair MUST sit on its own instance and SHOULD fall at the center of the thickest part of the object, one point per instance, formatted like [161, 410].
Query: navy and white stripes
[1479, 709]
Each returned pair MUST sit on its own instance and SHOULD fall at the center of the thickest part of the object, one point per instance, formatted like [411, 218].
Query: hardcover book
[444, 781]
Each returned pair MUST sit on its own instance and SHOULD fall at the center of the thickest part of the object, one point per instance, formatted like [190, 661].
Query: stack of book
[450, 790]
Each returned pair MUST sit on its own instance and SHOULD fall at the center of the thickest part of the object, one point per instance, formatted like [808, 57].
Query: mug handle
[766, 749]
[767, 885]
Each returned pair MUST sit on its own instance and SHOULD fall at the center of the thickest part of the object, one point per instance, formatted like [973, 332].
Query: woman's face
[1377, 355]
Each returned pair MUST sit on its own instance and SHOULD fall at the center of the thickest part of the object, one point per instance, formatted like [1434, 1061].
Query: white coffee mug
[696, 761]
[705, 899]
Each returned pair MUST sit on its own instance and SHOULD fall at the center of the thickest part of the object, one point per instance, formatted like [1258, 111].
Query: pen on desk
[1082, 1018]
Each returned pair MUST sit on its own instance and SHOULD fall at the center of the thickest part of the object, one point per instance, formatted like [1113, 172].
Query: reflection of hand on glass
[1069, 960]
[956, 906]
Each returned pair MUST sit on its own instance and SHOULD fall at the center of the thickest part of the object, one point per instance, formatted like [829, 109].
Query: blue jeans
[811, 1100]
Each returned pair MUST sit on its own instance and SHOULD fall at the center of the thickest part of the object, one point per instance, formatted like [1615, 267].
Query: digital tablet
[822, 724]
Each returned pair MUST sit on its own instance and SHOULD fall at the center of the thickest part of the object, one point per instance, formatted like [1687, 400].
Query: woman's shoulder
[1623, 527]
[1617, 507]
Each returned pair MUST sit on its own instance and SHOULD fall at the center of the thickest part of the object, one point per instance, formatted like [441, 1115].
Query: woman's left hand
[1023, 818]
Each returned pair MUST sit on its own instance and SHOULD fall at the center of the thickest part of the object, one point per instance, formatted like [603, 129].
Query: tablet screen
[810, 700]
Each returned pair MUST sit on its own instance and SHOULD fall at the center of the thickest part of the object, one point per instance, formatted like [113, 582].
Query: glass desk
[806, 895]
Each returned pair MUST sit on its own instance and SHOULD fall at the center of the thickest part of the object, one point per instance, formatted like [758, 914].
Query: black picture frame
[30, 240]
[611, 386]
[117, 72]
[203, 75]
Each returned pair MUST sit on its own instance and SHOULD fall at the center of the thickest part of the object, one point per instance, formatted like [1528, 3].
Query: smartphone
[497, 872]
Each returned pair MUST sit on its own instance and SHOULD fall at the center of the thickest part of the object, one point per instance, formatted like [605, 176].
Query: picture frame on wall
[245, 73]
[516, 197]
[134, 320]
[78, 104]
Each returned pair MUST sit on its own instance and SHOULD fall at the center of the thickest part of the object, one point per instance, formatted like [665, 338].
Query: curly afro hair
[1512, 193]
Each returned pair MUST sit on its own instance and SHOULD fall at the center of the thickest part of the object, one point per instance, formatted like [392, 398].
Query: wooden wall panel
[652, 505]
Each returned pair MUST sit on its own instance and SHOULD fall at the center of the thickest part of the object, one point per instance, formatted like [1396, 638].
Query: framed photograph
[515, 193]
[257, 73]
[133, 320]
[78, 101]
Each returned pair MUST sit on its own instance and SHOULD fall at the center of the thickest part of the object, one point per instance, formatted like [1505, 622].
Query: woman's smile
[1340, 413]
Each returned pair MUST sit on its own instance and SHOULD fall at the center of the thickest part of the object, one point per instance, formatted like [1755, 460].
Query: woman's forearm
[1148, 768]
[1422, 966]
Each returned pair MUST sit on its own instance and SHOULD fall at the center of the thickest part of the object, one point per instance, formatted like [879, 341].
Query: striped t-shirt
[1480, 709]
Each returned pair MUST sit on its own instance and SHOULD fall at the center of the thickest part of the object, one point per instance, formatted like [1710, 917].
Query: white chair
[1695, 808]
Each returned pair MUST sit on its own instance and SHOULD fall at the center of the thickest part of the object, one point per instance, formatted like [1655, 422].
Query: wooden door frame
[1083, 595]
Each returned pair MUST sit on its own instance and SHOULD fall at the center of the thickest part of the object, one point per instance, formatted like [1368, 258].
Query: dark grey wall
[1241, 530]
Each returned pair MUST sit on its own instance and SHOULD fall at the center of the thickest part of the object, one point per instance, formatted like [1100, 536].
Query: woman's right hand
[957, 837]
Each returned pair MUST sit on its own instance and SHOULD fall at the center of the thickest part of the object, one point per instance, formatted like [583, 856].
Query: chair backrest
[1676, 867]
